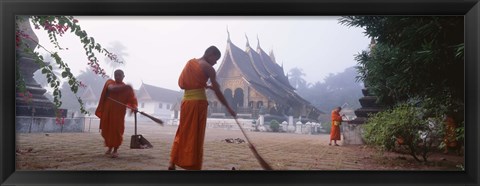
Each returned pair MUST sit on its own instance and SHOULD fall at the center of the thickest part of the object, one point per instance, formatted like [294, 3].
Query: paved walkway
[284, 151]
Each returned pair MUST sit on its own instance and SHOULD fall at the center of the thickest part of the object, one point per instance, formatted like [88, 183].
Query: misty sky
[159, 46]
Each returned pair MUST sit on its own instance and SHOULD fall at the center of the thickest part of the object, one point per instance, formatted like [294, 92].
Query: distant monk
[112, 114]
[450, 138]
[336, 122]
[187, 148]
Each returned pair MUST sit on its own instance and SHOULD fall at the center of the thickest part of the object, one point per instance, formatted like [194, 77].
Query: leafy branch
[57, 26]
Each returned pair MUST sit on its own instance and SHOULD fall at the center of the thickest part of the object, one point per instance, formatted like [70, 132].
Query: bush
[404, 125]
[275, 125]
[327, 126]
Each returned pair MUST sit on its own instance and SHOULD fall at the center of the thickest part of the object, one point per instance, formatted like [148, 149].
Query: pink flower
[17, 40]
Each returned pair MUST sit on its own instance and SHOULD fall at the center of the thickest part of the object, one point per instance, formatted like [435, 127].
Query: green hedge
[419, 135]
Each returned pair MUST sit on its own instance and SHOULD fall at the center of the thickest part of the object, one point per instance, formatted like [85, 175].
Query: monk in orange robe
[450, 138]
[112, 114]
[336, 122]
[187, 148]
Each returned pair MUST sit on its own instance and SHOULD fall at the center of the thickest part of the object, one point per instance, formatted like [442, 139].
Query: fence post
[33, 115]
[89, 124]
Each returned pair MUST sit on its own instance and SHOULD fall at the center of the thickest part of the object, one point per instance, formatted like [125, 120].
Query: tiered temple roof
[260, 71]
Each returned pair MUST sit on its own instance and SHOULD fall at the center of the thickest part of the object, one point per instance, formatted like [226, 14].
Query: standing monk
[187, 149]
[450, 138]
[336, 122]
[112, 114]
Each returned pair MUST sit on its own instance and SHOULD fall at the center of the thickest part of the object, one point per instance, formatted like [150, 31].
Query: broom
[156, 120]
[262, 162]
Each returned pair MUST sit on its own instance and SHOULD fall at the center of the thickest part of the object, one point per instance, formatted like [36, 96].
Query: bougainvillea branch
[57, 26]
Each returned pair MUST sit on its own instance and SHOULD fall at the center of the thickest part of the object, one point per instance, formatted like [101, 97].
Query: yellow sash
[195, 94]
[337, 123]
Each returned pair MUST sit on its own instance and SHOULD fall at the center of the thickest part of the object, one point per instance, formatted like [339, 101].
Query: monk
[187, 148]
[336, 122]
[450, 138]
[112, 114]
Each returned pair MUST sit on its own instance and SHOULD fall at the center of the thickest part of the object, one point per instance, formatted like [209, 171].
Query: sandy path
[84, 151]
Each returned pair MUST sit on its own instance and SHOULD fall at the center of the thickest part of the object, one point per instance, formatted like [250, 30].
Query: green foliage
[275, 125]
[405, 122]
[327, 126]
[414, 57]
[57, 26]
[88, 77]
[460, 131]
[336, 90]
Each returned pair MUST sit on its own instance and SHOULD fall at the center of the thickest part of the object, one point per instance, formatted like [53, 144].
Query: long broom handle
[262, 162]
[135, 116]
[243, 131]
[159, 121]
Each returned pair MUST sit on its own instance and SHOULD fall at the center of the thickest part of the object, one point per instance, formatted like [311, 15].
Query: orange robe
[187, 148]
[335, 130]
[112, 114]
[450, 138]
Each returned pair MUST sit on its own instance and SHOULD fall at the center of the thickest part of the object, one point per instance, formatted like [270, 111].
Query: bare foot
[115, 155]
[108, 152]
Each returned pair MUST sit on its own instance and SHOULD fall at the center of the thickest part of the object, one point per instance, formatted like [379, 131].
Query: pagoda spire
[228, 35]
[248, 44]
[272, 56]
[258, 42]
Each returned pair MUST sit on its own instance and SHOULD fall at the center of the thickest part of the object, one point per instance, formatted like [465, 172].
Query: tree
[56, 26]
[40, 78]
[334, 91]
[415, 58]
[119, 49]
[90, 79]
[296, 78]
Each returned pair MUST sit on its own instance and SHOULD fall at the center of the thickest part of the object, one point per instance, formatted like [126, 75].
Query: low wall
[352, 134]
[229, 124]
[25, 124]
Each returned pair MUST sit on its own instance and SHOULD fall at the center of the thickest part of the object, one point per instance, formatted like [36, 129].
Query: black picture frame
[10, 8]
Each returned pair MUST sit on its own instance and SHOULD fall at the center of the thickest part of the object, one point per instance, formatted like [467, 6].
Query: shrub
[275, 125]
[327, 126]
[404, 125]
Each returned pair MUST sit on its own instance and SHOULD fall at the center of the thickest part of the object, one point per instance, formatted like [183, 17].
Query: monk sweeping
[112, 114]
[187, 148]
[336, 122]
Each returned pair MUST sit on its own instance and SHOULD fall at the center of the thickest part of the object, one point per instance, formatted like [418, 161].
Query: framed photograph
[252, 37]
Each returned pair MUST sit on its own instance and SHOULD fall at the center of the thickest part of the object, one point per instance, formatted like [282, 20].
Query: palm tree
[119, 50]
[296, 78]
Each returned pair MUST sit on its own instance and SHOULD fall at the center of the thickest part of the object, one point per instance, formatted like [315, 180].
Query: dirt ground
[284, 151]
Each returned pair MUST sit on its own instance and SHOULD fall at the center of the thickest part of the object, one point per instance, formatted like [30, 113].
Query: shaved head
[118, 75]
[211, 55]
[212, 50]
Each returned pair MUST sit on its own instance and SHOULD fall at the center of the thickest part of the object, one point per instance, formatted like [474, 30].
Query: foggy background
[156, 48]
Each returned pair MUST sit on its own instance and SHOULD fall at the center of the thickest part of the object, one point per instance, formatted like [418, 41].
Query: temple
[253, 83]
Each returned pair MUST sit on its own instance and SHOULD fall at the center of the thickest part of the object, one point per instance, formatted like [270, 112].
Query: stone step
[368, 101]
[365, 92]
[363, 112]
[358, 120]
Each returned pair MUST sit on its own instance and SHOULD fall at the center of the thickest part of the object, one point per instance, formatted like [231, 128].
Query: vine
[57, 26]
